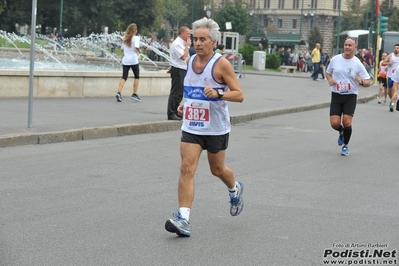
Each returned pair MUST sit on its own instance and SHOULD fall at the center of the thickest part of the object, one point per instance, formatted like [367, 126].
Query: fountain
[79, 67]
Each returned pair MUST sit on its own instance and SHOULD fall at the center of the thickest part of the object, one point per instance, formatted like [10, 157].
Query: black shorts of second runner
[343, 104]
[383, 81]
[135, 69]
[212, 144]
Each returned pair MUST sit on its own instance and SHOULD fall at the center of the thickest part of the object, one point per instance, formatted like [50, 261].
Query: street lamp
[208, 9]
[309, 14]
[339, 26]
[300, 26]
[62, 4]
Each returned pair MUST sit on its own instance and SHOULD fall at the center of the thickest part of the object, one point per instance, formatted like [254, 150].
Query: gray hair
[210, 24]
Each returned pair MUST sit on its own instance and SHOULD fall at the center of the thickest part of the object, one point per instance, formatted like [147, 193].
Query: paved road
[67, 119]
[105, 201]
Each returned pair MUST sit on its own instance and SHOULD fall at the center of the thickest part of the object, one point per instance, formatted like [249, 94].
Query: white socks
[233, 191]
[185, 213]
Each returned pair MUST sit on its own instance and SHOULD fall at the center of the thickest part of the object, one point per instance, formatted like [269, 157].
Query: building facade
[296, 16]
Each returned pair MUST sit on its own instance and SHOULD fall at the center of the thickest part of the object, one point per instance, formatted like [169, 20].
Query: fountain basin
[72, 83]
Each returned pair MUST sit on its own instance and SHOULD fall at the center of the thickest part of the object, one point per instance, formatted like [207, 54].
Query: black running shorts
[383, 81]
[135, 69]
[343, 104]
[212, 144]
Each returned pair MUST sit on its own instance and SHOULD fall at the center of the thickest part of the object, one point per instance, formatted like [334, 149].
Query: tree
[359, 17]
[2, 5]
[315, 37]
[238, 16]
[175, 12]
[354, 17]
[15, 12]
[392, 13]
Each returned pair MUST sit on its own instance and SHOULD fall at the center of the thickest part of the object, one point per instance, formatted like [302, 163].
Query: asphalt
[54, 120]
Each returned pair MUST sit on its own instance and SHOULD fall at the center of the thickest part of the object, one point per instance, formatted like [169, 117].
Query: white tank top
[392, 68]
[203, 115]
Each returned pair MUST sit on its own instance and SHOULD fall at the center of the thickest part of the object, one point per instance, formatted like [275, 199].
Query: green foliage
[175, 11]
[247, 50]
[359, 17]
[161, 33]
[2, 5]
[315, 37]
[238, 16]
[273, 61]
[84, 17]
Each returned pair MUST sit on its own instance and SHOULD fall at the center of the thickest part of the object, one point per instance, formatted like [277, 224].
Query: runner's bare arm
[224, 73]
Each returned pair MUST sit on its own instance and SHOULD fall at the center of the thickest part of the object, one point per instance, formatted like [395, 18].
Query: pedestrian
[191, 51]
[326, 60]
[322, 64]
[301, 62]
[287, 57]
[52, 41]
[208, 86]
[260, 47]
[316, 62]
[179, 54]
[270, 50]
[369, 59]
[382, 80]
[131, 50]
[360, 55]
[220, 49]
[309, 61]
[392, 61]
[344, 74]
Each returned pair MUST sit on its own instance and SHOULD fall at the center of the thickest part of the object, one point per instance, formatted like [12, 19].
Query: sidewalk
[71, 119]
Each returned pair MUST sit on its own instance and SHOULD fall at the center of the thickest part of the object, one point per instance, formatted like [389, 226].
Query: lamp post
[62, 4]
[339, 25]
[300, 26]
[308, 14]
[192, 12]
[208, 9]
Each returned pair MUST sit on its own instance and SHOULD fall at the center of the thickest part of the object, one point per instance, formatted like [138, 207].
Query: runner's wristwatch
[220, 93]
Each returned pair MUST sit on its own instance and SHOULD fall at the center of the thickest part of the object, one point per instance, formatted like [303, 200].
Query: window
[336, 24]
[295, 4]
[251, 4]
[281, 4]
[314, 4]
[294, 23]
[336, 4]
[266, 22]
[266, 4]
[311, 24]
[280, 23]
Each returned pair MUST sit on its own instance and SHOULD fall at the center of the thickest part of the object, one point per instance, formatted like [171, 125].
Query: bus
[388, 40]
[354, 34]
[364, 42]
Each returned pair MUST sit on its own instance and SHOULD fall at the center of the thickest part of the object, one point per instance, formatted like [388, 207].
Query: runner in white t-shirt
[344, 74]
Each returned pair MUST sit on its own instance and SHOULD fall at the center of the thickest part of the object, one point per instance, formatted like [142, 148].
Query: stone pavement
[71, 119]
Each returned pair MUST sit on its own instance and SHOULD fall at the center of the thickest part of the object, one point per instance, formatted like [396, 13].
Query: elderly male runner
[209, 84]
[344, 74]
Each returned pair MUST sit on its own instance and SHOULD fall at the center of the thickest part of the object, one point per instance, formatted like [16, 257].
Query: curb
[142, 128]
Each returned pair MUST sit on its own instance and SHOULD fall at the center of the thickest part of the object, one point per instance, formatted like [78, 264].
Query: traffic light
[383, 24]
